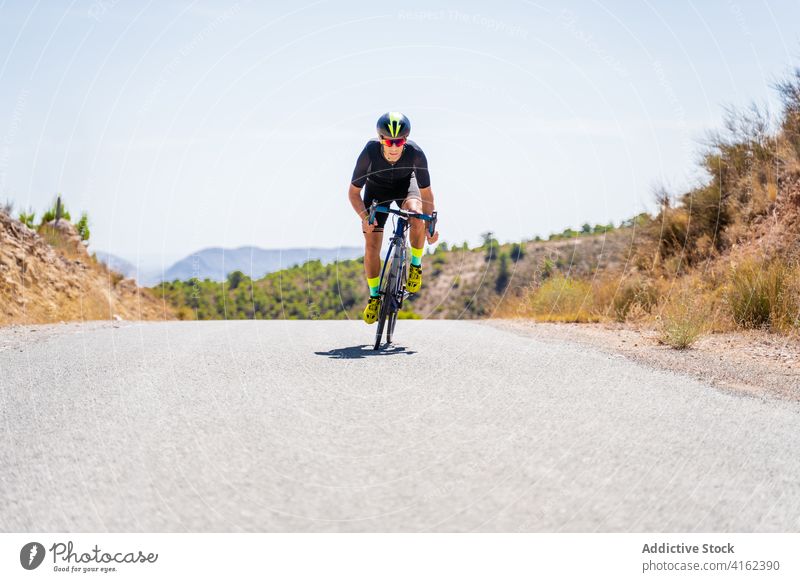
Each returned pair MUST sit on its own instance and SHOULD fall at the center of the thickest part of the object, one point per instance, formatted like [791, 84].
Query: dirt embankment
[48, 276]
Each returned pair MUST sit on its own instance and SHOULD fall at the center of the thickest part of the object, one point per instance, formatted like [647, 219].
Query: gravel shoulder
[17, 337]
[753, 363]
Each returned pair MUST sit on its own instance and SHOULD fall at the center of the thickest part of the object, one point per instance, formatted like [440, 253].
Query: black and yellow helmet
[393, 124]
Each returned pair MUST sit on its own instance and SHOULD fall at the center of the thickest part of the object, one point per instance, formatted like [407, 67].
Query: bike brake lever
[432, 223]
[372, 208]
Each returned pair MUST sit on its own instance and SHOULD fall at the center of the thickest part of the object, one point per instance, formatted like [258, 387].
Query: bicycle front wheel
[398, 293]
[383, 315]
[390, 326]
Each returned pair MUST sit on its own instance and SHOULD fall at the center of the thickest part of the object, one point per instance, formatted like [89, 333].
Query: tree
[235, 278]
[503, 275]
[517, 252]
[490, 245]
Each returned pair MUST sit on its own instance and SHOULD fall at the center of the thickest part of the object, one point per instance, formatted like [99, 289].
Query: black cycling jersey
[381, 177]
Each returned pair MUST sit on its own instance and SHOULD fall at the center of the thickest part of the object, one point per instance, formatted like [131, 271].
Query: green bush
[50, 213]
[83, 226]
[28, 219]
[490, 246]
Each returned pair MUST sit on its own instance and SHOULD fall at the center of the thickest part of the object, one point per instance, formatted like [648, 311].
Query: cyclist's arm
[423, 177]
[355, 201]
[358, 181]
[428, 205]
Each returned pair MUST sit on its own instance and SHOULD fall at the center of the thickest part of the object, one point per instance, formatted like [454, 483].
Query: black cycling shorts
[386, 199]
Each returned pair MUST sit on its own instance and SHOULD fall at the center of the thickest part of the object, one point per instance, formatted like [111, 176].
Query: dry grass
[764, 295]
[558, 298]
[684, 318]
[626, 298]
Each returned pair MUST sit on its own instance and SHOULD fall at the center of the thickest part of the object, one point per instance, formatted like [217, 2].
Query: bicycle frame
[394, 292]
[397, 241]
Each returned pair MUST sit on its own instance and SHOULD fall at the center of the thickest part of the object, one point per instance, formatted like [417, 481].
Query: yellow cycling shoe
[414, 279]
[370, 314]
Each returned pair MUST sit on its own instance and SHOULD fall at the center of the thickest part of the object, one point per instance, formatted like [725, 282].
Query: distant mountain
[117, 264]
[216, 263]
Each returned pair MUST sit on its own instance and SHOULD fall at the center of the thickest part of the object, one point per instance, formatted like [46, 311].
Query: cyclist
[392, 168]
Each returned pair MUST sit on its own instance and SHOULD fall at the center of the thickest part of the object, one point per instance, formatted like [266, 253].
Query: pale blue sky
[182, 125]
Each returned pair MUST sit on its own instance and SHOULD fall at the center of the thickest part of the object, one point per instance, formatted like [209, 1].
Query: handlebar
[429, 218]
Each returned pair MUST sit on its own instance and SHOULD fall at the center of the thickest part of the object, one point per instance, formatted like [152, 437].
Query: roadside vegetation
[719, 257]
[308, 291]
[56, 210]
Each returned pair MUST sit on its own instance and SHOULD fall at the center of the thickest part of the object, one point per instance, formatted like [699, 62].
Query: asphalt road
[300, 426]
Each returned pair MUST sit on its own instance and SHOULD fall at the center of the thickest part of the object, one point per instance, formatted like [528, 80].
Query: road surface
[233, 426]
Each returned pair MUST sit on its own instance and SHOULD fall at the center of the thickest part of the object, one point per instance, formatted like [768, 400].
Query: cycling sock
[416, 257]
[374, 286]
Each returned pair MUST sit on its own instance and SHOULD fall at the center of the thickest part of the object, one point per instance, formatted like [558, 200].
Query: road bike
[395, 270]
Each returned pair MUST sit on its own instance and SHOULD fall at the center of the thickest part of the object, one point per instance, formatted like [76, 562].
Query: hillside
[473, 283]
[48, 276]
[459, 283]
[217, 263]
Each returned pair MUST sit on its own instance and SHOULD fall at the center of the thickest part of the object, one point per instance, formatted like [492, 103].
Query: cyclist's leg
[413, 203]
[372, 262]
[372, 243]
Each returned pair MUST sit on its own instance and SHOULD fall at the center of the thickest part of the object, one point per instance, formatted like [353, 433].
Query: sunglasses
[394, 142]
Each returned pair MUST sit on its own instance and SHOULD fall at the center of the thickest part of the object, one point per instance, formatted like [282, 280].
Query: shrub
[490, 246]
[503, 275]
[408, 315]
[763, 295]
[517, 251]
[603, 228]
[634, 296]
[437, 263]
[789, 92]
[28, 218]
[83, 226]
[50, 213]
[683, 319]
[235, 278]
[547, 269]
[562, 298]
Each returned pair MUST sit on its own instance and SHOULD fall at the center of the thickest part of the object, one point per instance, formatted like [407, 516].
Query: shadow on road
[364, 351]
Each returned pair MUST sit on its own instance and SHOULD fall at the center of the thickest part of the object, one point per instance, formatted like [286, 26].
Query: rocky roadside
[757, 364]
[48, 276]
